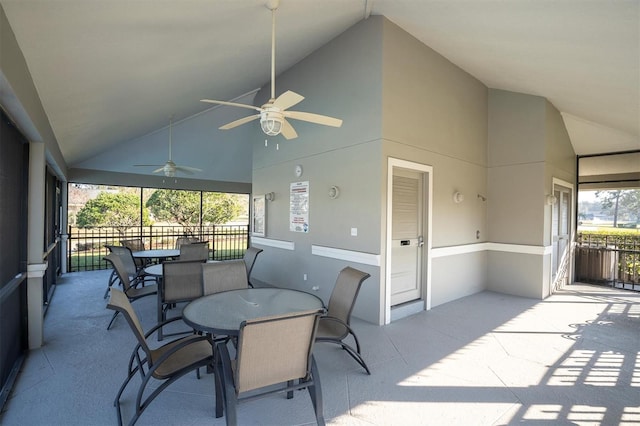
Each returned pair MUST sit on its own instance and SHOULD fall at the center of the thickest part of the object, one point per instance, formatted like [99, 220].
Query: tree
[218, 208]
[183, 207]
[621, 203]
[116, 209]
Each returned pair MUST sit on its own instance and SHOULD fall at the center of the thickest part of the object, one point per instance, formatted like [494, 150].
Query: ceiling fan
[274, 114]
[170, 168]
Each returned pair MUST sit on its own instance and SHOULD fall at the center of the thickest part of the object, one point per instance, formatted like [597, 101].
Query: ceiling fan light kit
[169, 168]
[273, 114]
[271, 122]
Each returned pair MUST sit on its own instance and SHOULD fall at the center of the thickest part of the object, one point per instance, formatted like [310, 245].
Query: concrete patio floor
[486, 359]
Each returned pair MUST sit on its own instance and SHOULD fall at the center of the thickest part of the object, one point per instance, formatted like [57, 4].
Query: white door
[561, 228]
[407, 240]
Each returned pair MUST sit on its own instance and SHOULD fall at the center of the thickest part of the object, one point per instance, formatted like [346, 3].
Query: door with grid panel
[407, 239]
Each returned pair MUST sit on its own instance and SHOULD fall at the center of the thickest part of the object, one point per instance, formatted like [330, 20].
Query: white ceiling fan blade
[148, 165]
[288, 131]
[287, 100]
[211, 101]
[158, 170]
[188, 170]
[239, 122]
[313, 118]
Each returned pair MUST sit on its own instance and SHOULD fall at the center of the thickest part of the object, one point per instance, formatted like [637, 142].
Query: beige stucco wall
[341, 79]
[398, 98]
[434, 113]
[528, 147]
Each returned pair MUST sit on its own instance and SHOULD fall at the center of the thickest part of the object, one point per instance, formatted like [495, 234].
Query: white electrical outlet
[354, 232]
[304, 277]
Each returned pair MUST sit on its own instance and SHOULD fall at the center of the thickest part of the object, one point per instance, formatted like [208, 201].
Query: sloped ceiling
[109, 72]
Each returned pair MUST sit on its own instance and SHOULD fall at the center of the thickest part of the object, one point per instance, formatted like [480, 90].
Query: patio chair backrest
[283, 343]
[344, 294]
[118, 301]
[250, 259]
[181, 281]
[127, 258]
[223, 276]
[185, 240]
[135, 244]
[195, 251]
[121, 270]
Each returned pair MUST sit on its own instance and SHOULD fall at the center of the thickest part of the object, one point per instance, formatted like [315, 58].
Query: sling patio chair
[223, 276]
[166, 363]
[136, 275]
[195, 251]
[185, 240]
[334, 327]
[136, 244]
[273, 354]
[132, 293]
[249, 260]
[181, 282]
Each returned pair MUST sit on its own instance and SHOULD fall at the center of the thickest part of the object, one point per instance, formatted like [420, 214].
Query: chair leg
[116, 402]
[113, 318]
[219, 396]
[315, 392]
[112, 279]
[228, 389]
[355, 355]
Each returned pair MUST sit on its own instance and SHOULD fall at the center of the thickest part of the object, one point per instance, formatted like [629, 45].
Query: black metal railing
[86, 246]
[608, 259]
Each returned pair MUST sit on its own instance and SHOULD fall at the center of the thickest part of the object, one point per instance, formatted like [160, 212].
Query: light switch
[354, 232]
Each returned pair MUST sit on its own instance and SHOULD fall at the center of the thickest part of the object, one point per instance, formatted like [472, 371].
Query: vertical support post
[64, 227]
[36, 265]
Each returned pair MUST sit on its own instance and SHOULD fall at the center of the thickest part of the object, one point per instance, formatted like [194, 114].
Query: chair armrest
[176, 348]
[334, 319]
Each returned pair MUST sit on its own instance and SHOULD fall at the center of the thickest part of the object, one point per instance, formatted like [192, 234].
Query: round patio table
[222, 313]
[160, 254]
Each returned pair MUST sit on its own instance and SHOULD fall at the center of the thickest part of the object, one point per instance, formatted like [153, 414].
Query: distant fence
[608, 259]
[86, 246]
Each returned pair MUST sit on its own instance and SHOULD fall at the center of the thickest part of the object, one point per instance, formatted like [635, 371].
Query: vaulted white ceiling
[112, 71]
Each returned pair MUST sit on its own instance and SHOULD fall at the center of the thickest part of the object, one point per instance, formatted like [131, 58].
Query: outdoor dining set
[256, 339]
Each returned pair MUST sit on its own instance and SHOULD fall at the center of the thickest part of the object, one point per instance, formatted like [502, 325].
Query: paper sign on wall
[299, 207]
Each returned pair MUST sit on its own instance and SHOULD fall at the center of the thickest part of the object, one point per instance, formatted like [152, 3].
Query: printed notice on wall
[299, 207]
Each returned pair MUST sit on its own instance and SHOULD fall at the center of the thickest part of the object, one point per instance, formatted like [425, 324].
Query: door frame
[427, 189]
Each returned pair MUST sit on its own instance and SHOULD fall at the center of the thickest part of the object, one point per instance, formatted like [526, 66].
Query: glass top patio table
[222, 313]
[156, 269]
[156, 254]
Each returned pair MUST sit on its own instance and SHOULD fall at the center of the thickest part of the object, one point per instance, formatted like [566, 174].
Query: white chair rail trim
[474, 248]
[348, 255]
[281, 244]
